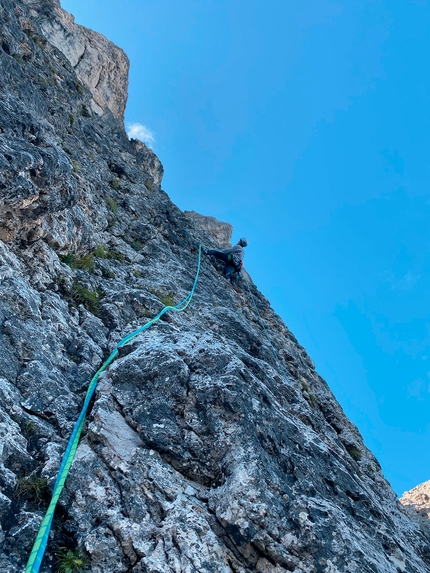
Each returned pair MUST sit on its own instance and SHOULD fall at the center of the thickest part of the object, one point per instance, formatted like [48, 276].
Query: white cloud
[139, 131]
[418, 388]
[405, 282]
[408, 281]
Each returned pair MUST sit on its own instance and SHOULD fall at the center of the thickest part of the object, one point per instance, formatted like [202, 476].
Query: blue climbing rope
[39, 546]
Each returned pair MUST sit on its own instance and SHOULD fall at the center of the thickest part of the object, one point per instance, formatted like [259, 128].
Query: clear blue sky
[306, 125]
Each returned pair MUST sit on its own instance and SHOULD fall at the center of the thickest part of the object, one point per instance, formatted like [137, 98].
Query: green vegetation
[104, 253]
[355, 454]
[41, 43]
[75, 165]
[144, 314]
[90, 299]
[136, 245]
[52, 244]
[149, 186]
[303, 383]
[313, 400]
[71, 561]
[100, 252]
[71, 119]
[108, 274]
[166, 298]
[68, 259]
[78, 87]
[85, 263]
[32, 487]
[115, 255]
[114, 183]
[112, 204]
[29, 429]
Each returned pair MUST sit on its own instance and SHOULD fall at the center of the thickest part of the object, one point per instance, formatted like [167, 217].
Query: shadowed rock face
[198, 454]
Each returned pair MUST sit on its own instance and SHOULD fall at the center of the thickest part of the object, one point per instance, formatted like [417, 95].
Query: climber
[232, 257]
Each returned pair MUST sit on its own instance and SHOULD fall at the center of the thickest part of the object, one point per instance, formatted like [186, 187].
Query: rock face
[417, 504]
[219, 231]
[199, 454]
[99, 64]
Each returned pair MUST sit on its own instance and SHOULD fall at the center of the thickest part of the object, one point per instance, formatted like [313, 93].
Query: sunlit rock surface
[220, 232]
[99, 64]
[198, 454]
[417, 504]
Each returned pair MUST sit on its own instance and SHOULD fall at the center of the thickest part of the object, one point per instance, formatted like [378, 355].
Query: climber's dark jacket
[232, 258]
[237, 253]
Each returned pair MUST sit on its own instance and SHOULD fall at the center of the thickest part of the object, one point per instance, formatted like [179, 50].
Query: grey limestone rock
[221, 232]
[417, 505]
[99, 64]
[199, 453]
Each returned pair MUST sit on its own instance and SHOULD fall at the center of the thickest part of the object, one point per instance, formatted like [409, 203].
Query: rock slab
[199, 453]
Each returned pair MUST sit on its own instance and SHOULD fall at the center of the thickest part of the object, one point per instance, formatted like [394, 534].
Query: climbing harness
[239, 266]
[36, 556]
[275, 354]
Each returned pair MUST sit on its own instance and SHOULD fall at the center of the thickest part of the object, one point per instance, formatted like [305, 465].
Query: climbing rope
[275, 354]
[39, 546]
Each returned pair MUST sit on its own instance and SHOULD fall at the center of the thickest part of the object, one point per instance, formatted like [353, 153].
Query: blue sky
[306, 125]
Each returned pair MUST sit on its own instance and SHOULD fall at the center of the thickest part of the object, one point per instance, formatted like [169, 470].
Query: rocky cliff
[199, 454]
[417, 505]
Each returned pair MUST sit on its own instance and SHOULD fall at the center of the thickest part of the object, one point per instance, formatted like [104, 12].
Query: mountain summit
[203, 451]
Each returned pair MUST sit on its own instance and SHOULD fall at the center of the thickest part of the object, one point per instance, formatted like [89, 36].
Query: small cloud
[408, 281]
[405, 282]
[139, 131]
[418, 388]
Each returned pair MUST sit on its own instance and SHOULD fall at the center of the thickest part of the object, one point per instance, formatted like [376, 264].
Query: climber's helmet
[243, 242]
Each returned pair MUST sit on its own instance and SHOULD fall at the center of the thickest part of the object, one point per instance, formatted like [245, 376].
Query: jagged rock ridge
[99, 64]
[221, 232]
[198, 456]
[417, 505]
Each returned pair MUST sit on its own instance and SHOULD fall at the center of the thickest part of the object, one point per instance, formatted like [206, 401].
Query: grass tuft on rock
[85, 263]
[32, 487]
[103, 252]
[71, 561]
[166, 298]
[136, 245]
[112, 204]
[355, 454]
[90, 299]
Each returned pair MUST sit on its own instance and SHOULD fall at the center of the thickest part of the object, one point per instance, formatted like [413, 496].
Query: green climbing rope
[38, 550]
